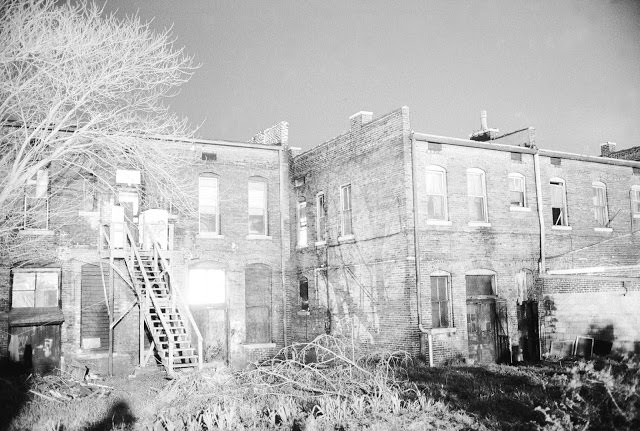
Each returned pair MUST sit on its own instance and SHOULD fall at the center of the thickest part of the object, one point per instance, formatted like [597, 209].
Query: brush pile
[65, 387]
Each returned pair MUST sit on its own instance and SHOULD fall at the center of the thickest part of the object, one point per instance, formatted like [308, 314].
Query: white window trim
[442, 171]
[216, 233]
[603, 186]
[524, 191]
[564, 203]
[344, 236]
[483, 179]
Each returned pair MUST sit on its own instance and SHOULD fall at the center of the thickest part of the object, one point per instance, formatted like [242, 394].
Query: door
[481, 330]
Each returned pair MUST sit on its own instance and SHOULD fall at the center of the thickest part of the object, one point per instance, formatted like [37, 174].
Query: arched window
[558, 202]
[208, 204]
[600, 209]
[257, 295]
[517, 192]
[477, 192]
[436, 177]
[258, 220]
[441, 308]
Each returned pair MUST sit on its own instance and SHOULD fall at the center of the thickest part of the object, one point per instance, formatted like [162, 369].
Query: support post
[111, 315]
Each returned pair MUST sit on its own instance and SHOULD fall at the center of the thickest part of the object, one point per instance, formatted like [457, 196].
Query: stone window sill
[250, 236]
[210, 235]
[42, 232]
[257, 346]
[439, 222]
[438, 331]
[346, 239]
[603, 229]
[520, 209]
[479, 224]
[561, 228]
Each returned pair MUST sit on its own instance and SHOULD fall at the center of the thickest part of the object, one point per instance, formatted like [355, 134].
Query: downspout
[416, 245]
[536, 168]
[284, 205]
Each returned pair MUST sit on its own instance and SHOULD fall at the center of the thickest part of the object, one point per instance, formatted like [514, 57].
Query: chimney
[277, 134]
[485, 133]
[359, 119]
[607, 148]
[483, 120]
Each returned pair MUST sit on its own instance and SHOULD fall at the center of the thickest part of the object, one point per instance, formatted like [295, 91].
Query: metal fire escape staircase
[163, 309]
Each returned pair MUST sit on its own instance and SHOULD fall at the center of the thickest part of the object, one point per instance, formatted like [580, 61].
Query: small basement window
[209, 157]
[433, 146]
[516, 157]
[556, 161]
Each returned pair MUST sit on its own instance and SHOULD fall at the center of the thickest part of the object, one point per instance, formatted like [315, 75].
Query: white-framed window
[208, 204]
[436, 177]
[477, 192]
[302, 224]
[635, 201]
[517, 193]
[321, 218]
[258, 207]
[441, 309]
[600, 209]
[558, 202]
[36, 201]
[345, 210]
[35, 288]
[206, 286]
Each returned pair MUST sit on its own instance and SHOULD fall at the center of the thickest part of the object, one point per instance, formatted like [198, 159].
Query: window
[600, 210]
[209, 157]
[477, 192]
[206, 285]
[208, 204]
[129, 200]
[516, 157]
[556, 161]
[257, 207]
[558, 203]
[432, 146]
[440, 301]
[36, 201]
[35, 288]
[89, 194]
[480, 284]
[517, 190]
[304, 294]
[257, 295]
[302, 224]
[436, 193]
[321, 218]
[635, 201]
[345, 199]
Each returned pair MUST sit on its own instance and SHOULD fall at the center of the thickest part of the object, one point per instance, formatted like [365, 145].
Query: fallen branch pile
[64, 387]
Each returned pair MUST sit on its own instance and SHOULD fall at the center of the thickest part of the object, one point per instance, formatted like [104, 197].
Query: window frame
[439, 170]
[635, 201]
[209, 176]
[302, 223]
[303, 284]
[264, 208]
[35, 289]
[483, 183]
[485, 273]
[346, 212]
[599, 185]
[448, 301]
[523, 183]
[36, 188]
[557, 182]
[321, 218]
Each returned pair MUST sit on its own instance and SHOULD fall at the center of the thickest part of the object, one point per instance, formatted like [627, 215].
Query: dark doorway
[529, 331]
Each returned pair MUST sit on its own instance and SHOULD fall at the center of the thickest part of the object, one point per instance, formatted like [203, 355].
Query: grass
[338, 391]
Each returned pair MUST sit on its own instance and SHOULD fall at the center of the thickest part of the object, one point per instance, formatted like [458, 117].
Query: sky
[571, 69]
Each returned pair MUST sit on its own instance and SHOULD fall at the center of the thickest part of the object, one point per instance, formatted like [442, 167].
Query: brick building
[485, 248]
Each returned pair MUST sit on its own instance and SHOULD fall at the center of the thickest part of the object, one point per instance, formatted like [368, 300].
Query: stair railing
[162, 264]
[149, 294]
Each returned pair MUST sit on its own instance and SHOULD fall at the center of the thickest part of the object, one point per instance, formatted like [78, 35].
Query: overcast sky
[571, 69]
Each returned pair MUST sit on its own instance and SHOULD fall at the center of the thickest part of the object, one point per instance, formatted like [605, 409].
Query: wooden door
[481, 330]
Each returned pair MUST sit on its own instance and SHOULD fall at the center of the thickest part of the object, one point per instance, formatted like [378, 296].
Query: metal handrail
[150, 295]
[176, 293]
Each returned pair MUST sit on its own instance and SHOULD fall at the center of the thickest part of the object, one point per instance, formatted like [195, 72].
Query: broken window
[257, 296]
[558, 203]
[440, 302]
[304, 294]
[208, 204]
[600, 209]
[517, 190]
[477, 192]
[436, 193]
[302, 224]
[36, 201]
[257, 206]
[345, 199]
[35, 288]
[321, 218]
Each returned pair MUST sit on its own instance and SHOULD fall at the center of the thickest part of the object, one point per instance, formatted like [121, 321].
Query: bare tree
[85, 93]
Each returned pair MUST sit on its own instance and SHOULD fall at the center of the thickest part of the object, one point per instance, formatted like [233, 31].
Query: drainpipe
[284, 205]
[536, 168]
[416, 244]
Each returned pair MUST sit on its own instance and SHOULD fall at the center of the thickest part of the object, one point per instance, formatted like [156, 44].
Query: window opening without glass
[558, 203]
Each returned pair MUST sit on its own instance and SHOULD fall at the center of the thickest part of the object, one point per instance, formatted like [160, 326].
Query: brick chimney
[607, 148]
[359, 119]
[277, 134]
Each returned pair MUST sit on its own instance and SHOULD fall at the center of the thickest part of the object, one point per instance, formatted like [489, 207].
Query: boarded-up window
[480, 285]
[38, 288]
[558, 203]
[436, 193]
[440, 302]
[208, 204]
[257, 207]
[257, 279]
[477, 195]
